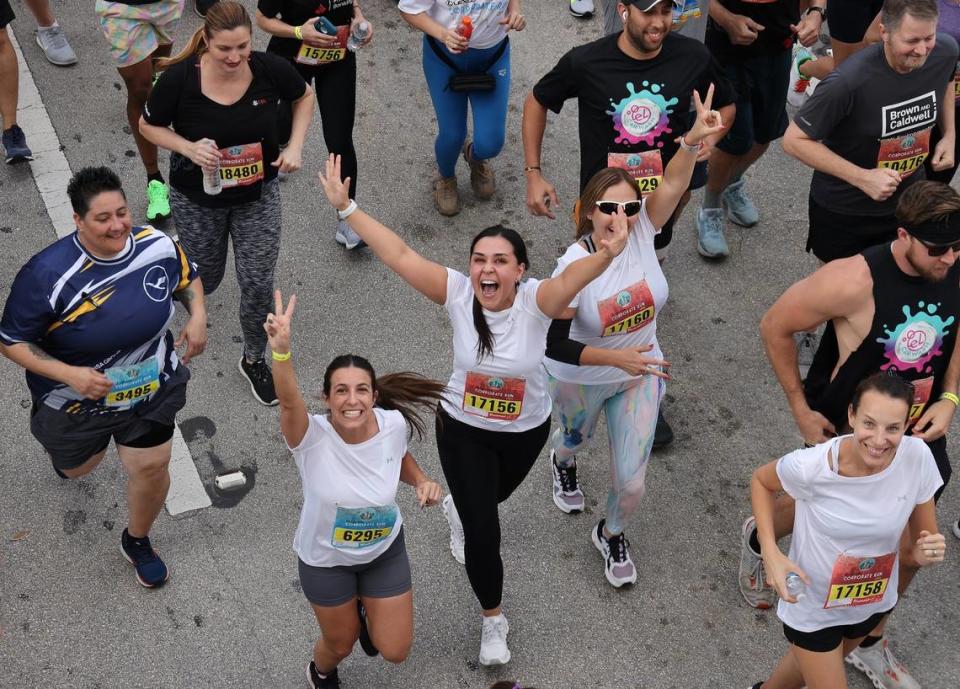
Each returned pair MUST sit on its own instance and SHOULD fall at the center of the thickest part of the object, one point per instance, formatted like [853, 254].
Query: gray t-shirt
[872, 116]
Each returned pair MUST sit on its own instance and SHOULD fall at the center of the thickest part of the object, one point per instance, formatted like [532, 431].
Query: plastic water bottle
[358, 36]
[795, 586]
[465, 27]
[212, 184]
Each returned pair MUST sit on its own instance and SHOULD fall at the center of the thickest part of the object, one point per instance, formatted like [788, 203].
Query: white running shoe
[581, 8]
[956, 528]
[566, 490]
[617, 565]
[456, 529]
[493, 641]
[798, 92]
[879, 665]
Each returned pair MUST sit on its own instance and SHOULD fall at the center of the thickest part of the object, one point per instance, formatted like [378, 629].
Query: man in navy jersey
[88, 318]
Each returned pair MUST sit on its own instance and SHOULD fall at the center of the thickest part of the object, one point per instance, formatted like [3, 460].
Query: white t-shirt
[846, 532]
[350, 513]
[507, 389]
[619, 308]
[486, 15]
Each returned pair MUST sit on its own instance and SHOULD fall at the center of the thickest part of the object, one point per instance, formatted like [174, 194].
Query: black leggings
[482, 469]
[336, 87]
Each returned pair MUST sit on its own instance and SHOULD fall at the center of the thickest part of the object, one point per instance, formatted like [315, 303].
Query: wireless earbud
[624, 15]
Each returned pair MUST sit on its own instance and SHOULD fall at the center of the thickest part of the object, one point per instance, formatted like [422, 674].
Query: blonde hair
[225, 15]
[594, 191]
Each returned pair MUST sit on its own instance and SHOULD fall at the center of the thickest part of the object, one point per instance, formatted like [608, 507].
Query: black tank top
[913, 332]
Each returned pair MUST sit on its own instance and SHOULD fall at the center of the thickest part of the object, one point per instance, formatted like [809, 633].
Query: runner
[88, 318]
[350, 542]
[479, 55]
[495, 417]
[326, 62]
[614, 362]
[866, 130]
[894, 307]
[856, 495]
[752, 41]
[140, 33]
[621, 122]
[218, 96]
[14, 141]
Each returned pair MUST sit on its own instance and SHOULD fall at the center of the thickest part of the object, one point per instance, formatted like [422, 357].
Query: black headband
[937, 231]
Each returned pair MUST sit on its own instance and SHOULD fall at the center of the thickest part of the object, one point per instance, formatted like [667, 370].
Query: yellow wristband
[950, 396]
[298, 32]
[280, 357]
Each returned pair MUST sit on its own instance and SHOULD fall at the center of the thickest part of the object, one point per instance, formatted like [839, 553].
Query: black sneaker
[663, 435]
[261, 380]
[15, 146]
[201, 6]
[366, 643]
[151, 572]
[318, 681]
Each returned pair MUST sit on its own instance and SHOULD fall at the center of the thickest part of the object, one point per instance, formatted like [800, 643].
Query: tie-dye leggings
[631, 410]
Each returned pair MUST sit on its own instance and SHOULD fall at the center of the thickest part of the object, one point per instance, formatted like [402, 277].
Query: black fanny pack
[463, 82]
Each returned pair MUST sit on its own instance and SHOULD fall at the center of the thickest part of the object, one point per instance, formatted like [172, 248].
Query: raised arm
[425, 276]
[293, 410]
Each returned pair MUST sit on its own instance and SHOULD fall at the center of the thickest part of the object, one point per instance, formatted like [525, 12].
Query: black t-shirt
[631, 107]
[872, 116]
[245, 132]
[775, 16]
[297, 12]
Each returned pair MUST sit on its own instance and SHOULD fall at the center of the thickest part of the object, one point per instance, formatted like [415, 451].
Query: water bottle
[325, 26]
[465, 27]
[212, 184]
[795, 586]
[358, 36]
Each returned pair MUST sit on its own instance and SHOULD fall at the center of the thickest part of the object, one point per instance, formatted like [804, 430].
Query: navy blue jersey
[109, 314]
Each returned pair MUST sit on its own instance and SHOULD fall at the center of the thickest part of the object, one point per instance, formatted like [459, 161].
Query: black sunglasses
[939, 250]
[610, 207]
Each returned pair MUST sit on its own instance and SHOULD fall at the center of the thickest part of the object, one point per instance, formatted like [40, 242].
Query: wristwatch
[819, 10]
[348, 211]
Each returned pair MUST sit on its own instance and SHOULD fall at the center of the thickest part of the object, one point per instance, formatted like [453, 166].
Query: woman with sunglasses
[495, 417]
[603, 353]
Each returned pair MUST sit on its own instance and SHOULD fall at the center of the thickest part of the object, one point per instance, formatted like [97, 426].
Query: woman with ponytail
[352, 558]
[495, 416]
[215, 109]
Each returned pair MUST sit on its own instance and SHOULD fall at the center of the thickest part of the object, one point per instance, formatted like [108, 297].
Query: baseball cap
[645, 5]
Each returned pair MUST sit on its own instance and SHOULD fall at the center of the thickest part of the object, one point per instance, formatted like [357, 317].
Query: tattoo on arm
[39, 353]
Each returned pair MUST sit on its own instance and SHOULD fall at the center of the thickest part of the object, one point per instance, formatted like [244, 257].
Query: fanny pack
[463, 82]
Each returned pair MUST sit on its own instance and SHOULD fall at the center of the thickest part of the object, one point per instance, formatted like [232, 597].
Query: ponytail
[405, 392]
[225, 15]
[484, 336]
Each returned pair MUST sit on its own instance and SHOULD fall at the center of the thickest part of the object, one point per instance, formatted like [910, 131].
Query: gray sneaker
[53, 42]
[346, 236]
[879, 664]
[754, 586]
[566, 490]
[710, 240]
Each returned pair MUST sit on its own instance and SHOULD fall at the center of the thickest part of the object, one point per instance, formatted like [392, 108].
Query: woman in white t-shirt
[603, 354]
[450, 49]
[352, 559]
[856, 495]
[494, 419]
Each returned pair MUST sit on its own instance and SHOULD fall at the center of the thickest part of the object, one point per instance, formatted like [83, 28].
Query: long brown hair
[594, 191]
[408, 393]
[225, 15]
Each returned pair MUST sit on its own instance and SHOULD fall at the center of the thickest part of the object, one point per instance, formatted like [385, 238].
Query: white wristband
[692, 148]
[348, 211]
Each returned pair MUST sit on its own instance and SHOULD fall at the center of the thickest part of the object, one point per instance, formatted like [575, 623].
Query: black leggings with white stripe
[254, 229]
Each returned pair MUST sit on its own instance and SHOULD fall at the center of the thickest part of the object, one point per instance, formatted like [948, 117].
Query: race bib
[132, 384]
[628, 310]
[921, 395]
[493, 397]
[308, 55]
[363, 527]
[646, 167]
[859, 580]
[241, 166]
[904, 153]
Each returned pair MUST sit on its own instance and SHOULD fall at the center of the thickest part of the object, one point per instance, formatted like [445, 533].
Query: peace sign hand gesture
[277, 324]
[708, 121]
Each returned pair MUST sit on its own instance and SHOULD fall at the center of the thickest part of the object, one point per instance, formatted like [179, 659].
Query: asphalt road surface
[232, 615]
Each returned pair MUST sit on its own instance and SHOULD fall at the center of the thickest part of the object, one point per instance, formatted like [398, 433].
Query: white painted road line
[51, 172]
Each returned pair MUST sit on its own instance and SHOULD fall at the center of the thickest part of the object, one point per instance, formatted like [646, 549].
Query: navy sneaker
[318, 681]
[151, 572]
[15, 145]
[366, 643]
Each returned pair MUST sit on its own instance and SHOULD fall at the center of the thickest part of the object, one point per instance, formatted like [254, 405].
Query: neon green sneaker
[158, 201]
